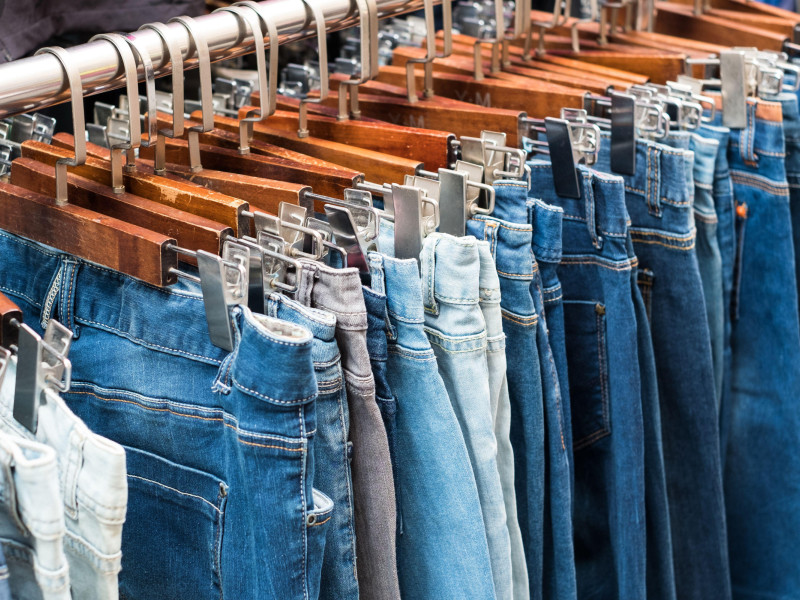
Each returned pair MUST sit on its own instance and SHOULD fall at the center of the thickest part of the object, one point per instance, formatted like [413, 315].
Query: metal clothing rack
[36, 82]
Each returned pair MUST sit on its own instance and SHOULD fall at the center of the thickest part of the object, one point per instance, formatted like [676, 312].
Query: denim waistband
[170, 320]
[339, 290]
[722, 135]
[663, 176]
[705, 157]
[681, 140]
[595, 223]
[546, 221]
[761, 138]
[510, 201]
[321, 324]
[449, 270]
[507, 242]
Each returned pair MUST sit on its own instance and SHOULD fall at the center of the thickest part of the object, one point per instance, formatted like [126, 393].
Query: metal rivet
[311, 519]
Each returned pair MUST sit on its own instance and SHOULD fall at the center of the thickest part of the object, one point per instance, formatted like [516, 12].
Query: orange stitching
[657, 243]
[636, 231]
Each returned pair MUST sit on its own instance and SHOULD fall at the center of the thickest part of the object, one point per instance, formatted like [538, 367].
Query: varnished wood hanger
[9, 312]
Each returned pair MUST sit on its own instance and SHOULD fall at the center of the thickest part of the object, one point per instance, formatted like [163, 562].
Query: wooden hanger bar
[183, 196]
[9, 312]
[430, 146]
[189, 230]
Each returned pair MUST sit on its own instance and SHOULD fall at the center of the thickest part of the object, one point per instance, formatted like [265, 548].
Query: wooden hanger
[115, 244]
[428, 145]
[189, 230]
[9, 312]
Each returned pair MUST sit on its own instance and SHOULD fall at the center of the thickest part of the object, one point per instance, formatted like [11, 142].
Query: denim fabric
[659, 200]
[660, 564]
[222, 440]
[5, 589]
[378, 349]
[547, 230]
[93, 486]
[726, 239]
[442, 551]
[490, 303]
[32, 525]
[339, 291]
[763, 426]
[791, 133]
[709, 258]
[523, 462]
[605, 394]
[558, 576]
[450, 273]
[511, 246]
[331, 451]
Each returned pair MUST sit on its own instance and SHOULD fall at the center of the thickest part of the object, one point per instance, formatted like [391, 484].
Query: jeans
[709, 258]
[450, 272]
[5, 589]
[521, 465]
[605, 395]
[225, 440]
[490, 303]
[32, 525]
[763, 420]
[659, 200]
[378, 355]
[331, 450]
[339, 291]
[791, 132]
[511, 247]
[94, 490]
[442, 551]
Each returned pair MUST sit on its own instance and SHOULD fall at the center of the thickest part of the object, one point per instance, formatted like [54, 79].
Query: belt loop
[490, 234]
[305, 285]
[747, 136]
[66, 309]
[427, 260]
[590, 209]
[377, 277]
[654, 180]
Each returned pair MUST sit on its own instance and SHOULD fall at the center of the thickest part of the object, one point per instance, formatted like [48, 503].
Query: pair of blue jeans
[454, 323]
[659, 200]
[511, 203]
[763, 416]
[523, 481]
[605, 395]
[442, 551]
[331, 448]
[224, 440]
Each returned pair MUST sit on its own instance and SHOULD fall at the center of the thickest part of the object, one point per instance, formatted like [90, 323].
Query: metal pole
[35, 82]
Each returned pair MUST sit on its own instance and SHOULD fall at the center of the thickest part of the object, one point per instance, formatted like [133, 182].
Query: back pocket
[585, 325]
[172, 537]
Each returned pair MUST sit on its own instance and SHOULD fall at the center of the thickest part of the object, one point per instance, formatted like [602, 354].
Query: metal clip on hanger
[457, 203]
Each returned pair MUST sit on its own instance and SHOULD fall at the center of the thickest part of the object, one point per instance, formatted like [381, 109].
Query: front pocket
[585, 326]
[172, 537]
[645, 281]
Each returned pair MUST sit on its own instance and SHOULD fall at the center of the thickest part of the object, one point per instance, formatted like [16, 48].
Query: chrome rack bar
[35, 82]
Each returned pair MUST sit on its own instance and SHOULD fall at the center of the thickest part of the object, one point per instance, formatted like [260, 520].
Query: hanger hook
[206, 90]
[151, 119]
[134, 125]
[176, 61]
[73, 76]
[368, 26]
[430, 54]
[251, 20]
[272, 33]
[319, 22]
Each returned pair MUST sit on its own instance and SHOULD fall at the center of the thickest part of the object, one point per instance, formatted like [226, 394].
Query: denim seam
[21, 295]
[405, 319]
[482, 348]
[710, 219]
[624, 265]
[269, 398]
[405, 354]
[219, 419]
[776, 188]
[664, 244]
[515, 275]
[662, 200]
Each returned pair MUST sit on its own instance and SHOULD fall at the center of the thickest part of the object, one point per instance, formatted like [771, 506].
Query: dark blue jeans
[659, 200]
[605, 394]
[219, 445]
[762, 470]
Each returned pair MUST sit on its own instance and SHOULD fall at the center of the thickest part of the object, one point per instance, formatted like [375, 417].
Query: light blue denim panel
[510, 244]
[93, 487]
[659, 199]
[605, 394]
[490, 303]
[331, 448]
[764, 544]
[442, 550]
[32, 525]
[224, 439]
[450, 270]
[5, 589]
